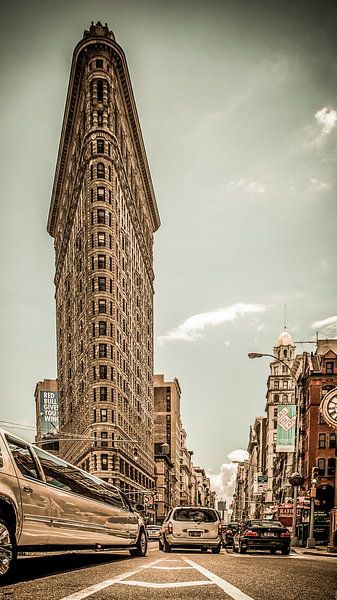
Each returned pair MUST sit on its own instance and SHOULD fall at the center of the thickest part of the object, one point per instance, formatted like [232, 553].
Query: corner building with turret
[102, 217]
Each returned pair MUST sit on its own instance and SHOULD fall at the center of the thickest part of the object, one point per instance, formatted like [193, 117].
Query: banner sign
[286, 428]
[49, 412]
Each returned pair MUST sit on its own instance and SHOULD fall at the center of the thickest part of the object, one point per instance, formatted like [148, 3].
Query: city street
[177, 575]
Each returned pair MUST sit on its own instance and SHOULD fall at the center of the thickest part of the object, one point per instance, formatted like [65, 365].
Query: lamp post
[295, 478]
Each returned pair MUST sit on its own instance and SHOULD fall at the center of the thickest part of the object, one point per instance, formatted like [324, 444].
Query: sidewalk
[318, 551]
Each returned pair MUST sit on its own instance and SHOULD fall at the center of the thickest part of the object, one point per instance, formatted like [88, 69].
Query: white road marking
[173, 568]
[149, 584]
[224, 585]
[107, 583]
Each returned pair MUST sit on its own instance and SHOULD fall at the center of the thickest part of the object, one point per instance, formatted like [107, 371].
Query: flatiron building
[103, 216]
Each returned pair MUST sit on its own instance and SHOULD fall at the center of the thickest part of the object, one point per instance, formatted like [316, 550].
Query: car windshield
[195, 514]
[264, 523]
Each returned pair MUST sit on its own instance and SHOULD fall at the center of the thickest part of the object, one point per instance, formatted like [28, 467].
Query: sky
[237, 102]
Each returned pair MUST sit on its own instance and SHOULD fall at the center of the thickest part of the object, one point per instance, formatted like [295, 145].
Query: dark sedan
[262, 534]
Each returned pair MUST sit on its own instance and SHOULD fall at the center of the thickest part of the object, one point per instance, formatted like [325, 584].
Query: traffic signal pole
[314, 481]
[311, 540]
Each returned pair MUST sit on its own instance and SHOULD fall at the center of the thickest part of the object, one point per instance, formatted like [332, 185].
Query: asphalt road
[175, 576]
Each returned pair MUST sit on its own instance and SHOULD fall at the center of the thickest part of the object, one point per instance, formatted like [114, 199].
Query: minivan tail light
[251, 533]
[170, 527]
[219, 529]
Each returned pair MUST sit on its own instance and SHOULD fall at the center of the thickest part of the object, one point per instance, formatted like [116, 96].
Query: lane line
[177, 584]
[224, 585]
[173, 568]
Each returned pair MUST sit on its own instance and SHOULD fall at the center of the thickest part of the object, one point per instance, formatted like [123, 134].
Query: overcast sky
[237, 102]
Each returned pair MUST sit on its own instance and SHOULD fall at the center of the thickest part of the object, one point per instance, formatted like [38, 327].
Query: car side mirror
[139, 507]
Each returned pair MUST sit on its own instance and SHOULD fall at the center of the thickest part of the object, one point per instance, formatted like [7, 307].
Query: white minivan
[47, 503]
[191, 527]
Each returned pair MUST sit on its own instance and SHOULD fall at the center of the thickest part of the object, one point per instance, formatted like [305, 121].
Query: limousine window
[62, 475]
[23, 457]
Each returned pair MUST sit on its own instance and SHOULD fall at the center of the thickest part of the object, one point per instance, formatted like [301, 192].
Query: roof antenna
[285, 317]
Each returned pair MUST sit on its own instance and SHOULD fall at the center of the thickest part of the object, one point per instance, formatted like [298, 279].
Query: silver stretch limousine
[48, 504]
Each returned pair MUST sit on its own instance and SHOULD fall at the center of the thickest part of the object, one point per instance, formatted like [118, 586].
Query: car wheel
[285, 551]
[242, 550]
[167, 547]
[8, 551]
[217, 549]
[161, 547]
[272, 550]
[141, 546]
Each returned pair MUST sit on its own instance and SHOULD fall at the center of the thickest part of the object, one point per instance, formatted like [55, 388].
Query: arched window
[100, 90]
[100, 171]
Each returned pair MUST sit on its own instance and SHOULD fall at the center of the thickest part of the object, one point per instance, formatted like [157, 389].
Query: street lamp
[252, 355]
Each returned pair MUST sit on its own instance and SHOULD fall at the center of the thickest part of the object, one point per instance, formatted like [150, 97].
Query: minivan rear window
[195, 514]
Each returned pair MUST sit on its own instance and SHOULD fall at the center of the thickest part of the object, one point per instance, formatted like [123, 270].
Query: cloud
[190, 329]
[223, 483]
[327, 326]
[319, 186]
[250, 186]
[327, 119]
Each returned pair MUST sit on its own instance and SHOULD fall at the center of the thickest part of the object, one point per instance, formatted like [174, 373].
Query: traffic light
[135, 453]
[314, 475]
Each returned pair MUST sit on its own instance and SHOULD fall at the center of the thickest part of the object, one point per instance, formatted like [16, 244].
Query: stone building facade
[167, 427]
[102, 217]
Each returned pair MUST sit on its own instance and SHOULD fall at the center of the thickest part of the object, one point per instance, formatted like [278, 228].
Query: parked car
[228, 533]
[262, 534]
[153, 532]
[49, 504]
[191, 527]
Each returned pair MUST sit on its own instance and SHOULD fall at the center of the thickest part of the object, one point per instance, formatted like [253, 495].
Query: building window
[102, 327]
[102, 350]
[102, 306]
[332, 440]
[101, 194]
[102, 284]
[100, 170]
[331, 466]
[101, 216]
[285, 384]
[329, 368]
[103, 415]
[322, 440]
[99, 118]
[103, 394]
[103, 371]
[321, 467]
[104, 462]
[100, 90]
[101, 261]
[99, 63]
[101, 239]
[104, 439]
[100, 146]
[276, 384]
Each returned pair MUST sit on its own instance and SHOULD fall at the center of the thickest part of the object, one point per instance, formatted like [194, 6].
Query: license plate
[269, 534]
[194, 533]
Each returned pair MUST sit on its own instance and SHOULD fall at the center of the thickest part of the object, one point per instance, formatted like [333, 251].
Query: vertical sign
[286, 428]
[49, 411]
